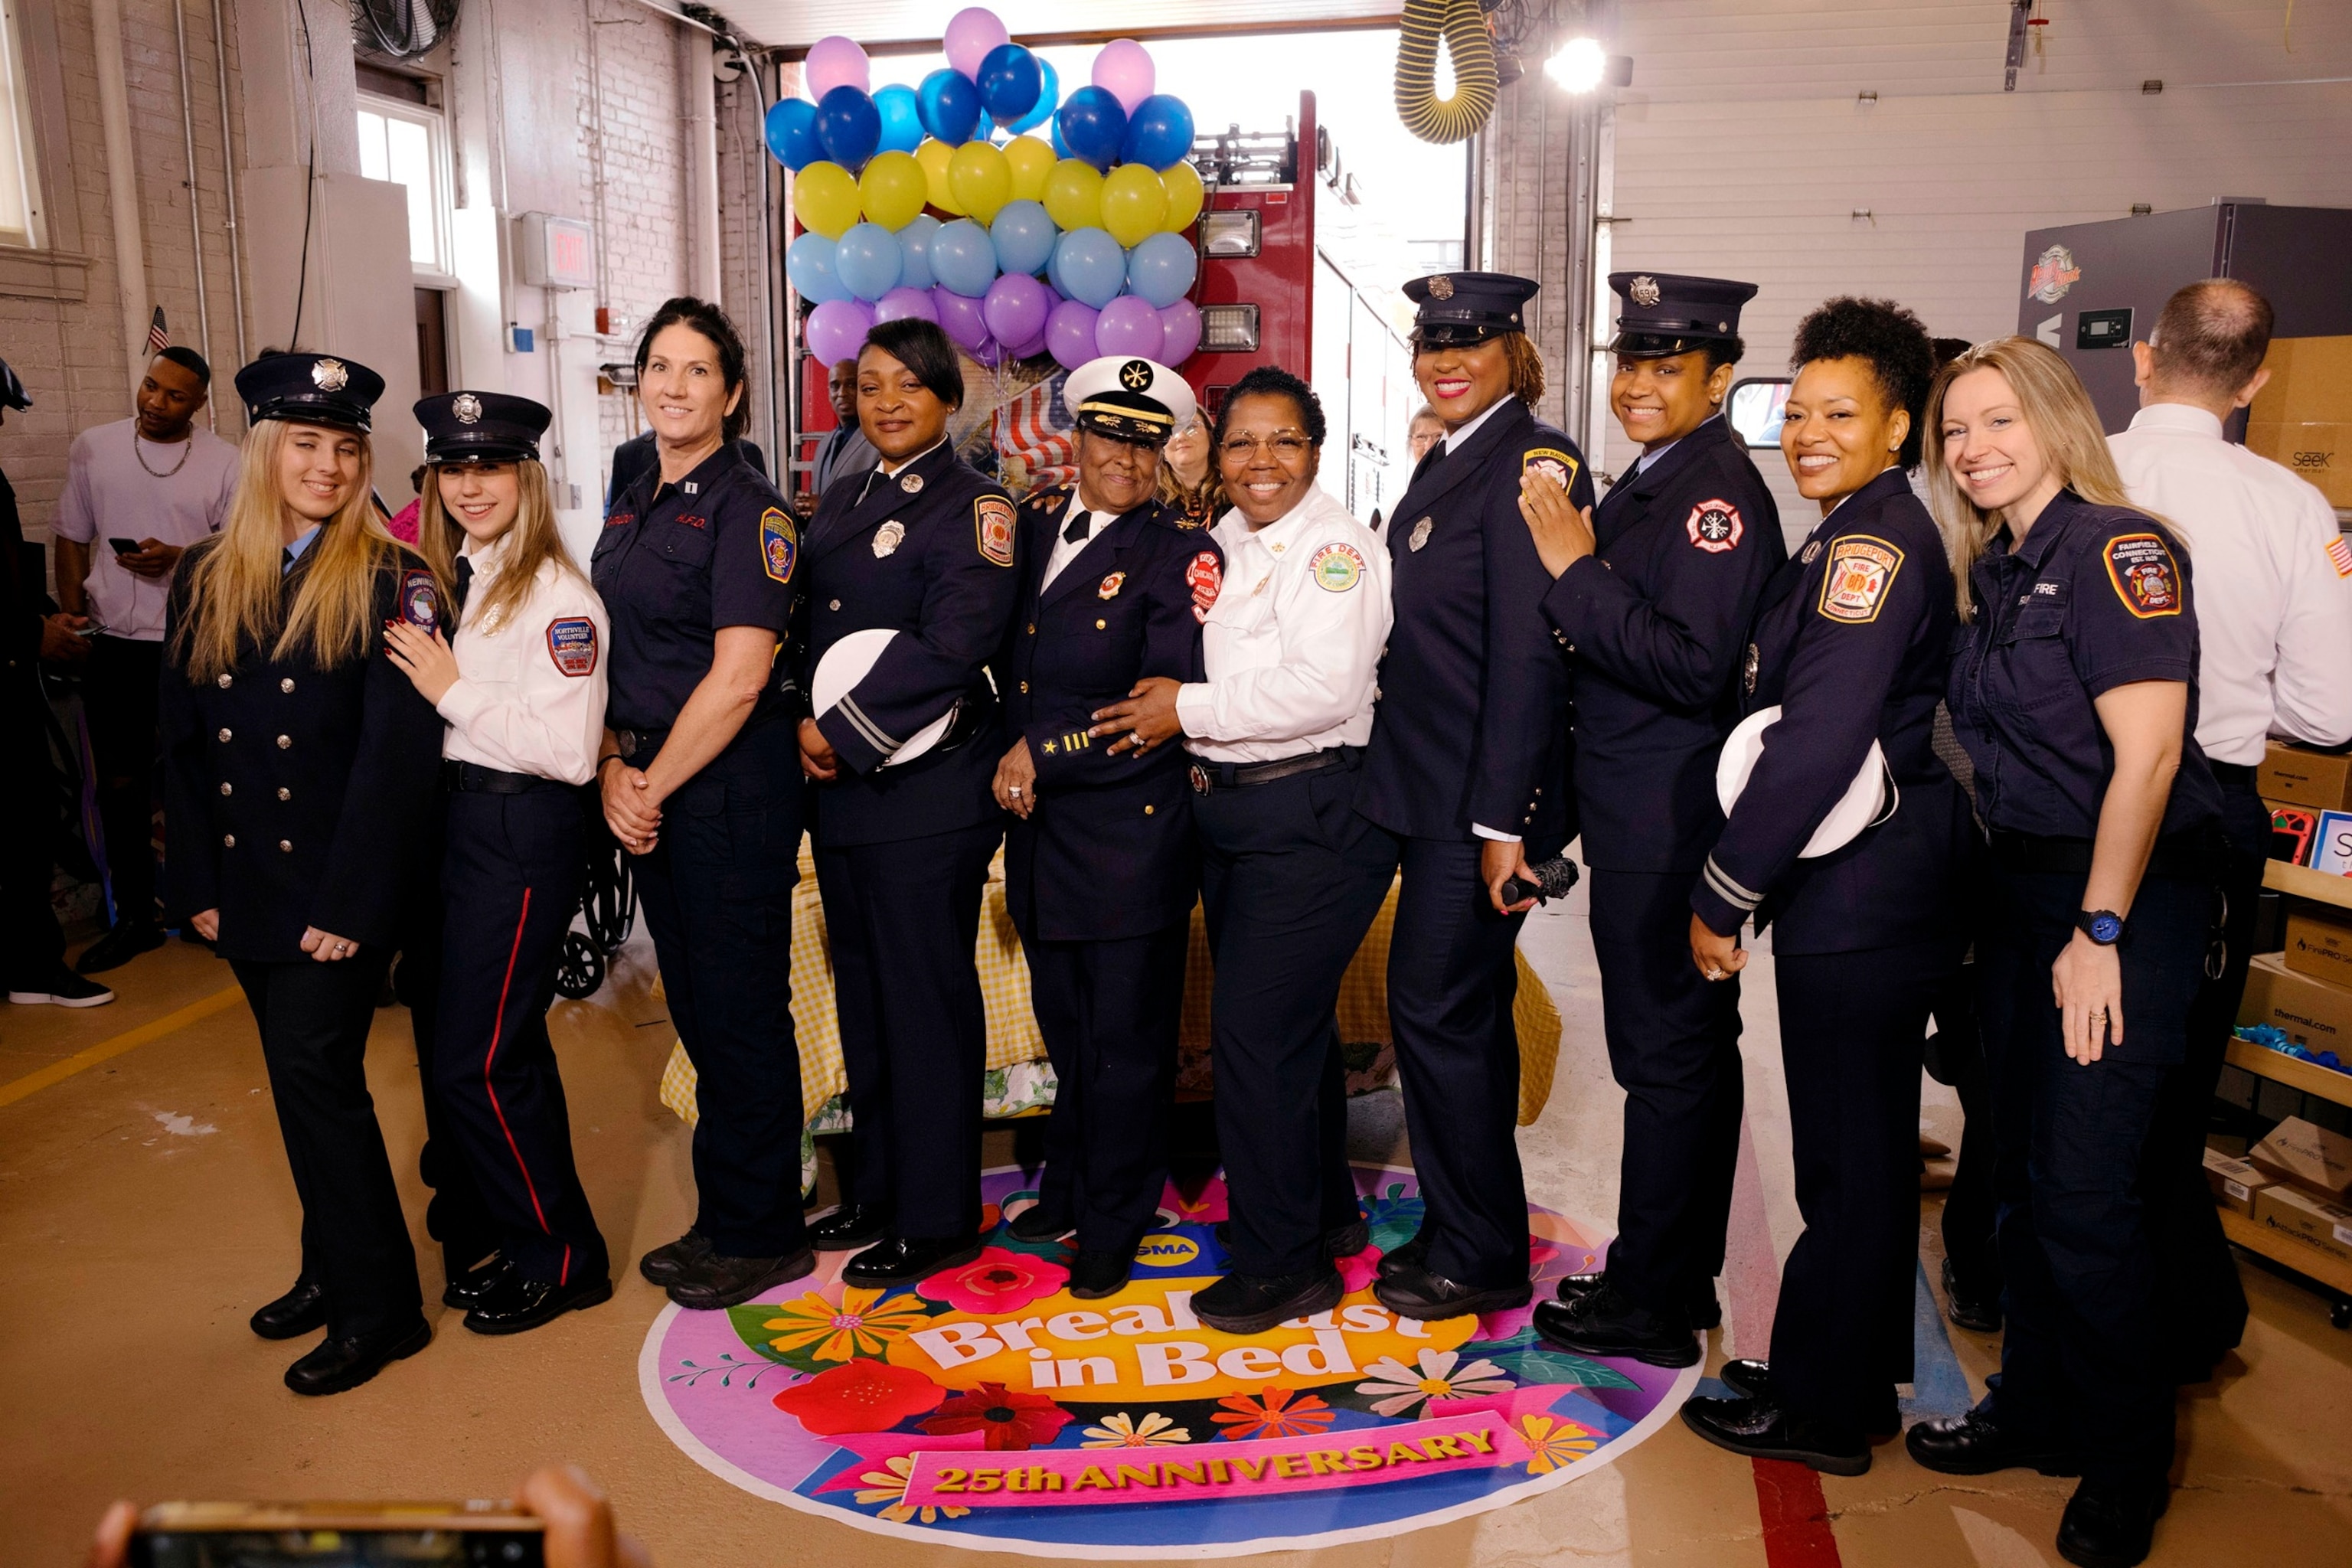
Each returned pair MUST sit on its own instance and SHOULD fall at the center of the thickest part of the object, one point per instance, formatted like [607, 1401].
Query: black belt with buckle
[1209, 777]
[472, 778]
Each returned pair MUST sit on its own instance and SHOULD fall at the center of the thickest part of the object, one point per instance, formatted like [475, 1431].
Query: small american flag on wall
[159, 336]
[1035, 426]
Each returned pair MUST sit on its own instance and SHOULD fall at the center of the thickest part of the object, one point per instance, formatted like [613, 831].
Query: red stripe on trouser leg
[1796, 1516]
[498, 1027]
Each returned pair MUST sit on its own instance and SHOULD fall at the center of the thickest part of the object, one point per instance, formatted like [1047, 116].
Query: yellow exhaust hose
[1427, 116]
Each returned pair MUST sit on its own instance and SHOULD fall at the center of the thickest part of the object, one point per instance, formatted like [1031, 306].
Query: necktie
[1076, 532]
[465, 582]
[1428, 461]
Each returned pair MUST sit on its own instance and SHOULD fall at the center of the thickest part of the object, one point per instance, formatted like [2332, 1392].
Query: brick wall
[634, 160]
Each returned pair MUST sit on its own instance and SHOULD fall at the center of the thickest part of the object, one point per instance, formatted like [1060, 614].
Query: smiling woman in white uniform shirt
[524, 690]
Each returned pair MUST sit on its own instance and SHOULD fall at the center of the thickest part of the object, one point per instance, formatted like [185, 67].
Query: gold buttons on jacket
[1025, 689]
[224, 788]
[229, 840]
[285, 683]
[833, 606]
[1147, 811]
[223, 736]
[285, 794]
[285, 847]
[1100, 624]
[285, 742]
[1032, 628]
[224, 681]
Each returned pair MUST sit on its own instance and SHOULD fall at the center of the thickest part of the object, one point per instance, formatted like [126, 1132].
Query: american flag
[159, 336]
[1034, 427]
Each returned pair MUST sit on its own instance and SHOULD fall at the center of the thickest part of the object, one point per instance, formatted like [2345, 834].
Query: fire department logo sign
[2054, 273]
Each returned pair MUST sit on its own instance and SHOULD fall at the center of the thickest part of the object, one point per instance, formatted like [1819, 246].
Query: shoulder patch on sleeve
[1715, 526]
[1860, 571]
[1337, 568]
[1204, 574]
[1551, 462]
[2146, 578]
[420, 599]
[992, 526]
[571, 644]
[779, 543]
[2339, 555]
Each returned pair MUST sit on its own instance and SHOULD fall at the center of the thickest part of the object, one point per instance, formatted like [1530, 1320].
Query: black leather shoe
[1760, 1429]
[460, 1291]
[849, 1228]
[1972, 1310]
[1415, 1292]
[2110, 1526]
[1341, 1241]
[1034, 1225]
[714, 1280]
[296, 1312]
[1971, 1444]
[1099, 1274]
[1704, 1311]
[666, 1265]
[118, 947]
[1253, 1303]
[1747, 1377]
[1602, 1322]
[514, 1302]
[900, 1260]
[342, 1363]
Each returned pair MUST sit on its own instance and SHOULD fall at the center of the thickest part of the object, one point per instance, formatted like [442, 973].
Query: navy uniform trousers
[511, 880]
[903, 918]
[717, 891]
[1291, 878]
[457, 1216]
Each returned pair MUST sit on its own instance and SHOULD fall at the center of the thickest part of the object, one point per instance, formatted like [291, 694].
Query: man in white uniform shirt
[155, 484]
[2274, 630]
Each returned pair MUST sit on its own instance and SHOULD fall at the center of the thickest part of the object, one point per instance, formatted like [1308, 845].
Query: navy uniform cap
[310, 389]
[481, 427]
[1129, 399]
[1457, 309]
[1668, 313]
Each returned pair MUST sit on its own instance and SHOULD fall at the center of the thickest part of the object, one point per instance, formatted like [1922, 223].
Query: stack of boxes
[2305, 989]
[2295, 1184]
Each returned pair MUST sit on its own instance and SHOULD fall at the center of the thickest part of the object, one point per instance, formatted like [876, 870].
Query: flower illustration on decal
[1395, 1388]
[1275, 1413]
[1009, 1419]
[889, 1485]
[861, 1396]
[998, 1280]
[1359, 1271]
[1553, 1444]
[861, 1325]
[1123, 1431]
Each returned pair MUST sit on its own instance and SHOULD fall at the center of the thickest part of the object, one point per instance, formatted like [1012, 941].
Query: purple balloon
[838, 329]
[1124, 69]
[959, 317]
[835, 62]
[1016, 306]
[1129, 325]
[1070, 333]
[989, 353]
[970, 34]
[1029, 350]
[904, 304]
[1180, 331]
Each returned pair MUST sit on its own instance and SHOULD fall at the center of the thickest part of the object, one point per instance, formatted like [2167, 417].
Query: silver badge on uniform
[329, 376]
[1644, 291]
[1805, 556]
[1419, 535]
[912, 484]
[467, 409]
[887, 537]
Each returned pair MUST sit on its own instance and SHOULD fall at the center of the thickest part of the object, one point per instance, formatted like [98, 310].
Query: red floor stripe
[1796, 1517]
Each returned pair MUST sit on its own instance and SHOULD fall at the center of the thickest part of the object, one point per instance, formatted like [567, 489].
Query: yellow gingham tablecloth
[1012, 1035]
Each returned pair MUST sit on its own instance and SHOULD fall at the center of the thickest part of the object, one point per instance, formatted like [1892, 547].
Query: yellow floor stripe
[57, 1072]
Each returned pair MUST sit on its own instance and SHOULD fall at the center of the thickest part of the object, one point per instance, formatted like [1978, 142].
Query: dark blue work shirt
[675, 564]
[2096, 597]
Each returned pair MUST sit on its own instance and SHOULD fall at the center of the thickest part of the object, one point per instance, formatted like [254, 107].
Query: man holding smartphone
[137, 493]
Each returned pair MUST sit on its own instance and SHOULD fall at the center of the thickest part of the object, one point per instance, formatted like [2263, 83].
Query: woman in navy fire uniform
[921, 545]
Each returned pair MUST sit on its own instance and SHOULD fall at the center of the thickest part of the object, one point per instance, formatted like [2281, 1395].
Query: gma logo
[1165, 1249]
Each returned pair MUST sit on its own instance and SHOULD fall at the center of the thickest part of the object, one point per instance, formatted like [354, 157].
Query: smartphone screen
[124, 546]
[336, 1549]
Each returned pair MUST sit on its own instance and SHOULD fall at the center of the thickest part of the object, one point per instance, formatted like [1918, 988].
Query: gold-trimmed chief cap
[1129, 399]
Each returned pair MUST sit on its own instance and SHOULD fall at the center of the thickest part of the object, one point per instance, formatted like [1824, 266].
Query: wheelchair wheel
[610, 900]
[580, 967]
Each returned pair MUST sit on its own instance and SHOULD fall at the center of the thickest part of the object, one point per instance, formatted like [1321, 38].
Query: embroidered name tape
[779, 545]
[1860, 571]
[2144, 576]
[571, 644]
[1337, 568]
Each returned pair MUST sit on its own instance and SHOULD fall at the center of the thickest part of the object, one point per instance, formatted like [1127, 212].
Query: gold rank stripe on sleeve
[1861, 570]
[1077, 740]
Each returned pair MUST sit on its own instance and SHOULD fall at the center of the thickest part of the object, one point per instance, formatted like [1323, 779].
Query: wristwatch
[2103, 926]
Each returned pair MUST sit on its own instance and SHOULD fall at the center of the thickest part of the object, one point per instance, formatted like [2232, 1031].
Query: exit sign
[556, 252]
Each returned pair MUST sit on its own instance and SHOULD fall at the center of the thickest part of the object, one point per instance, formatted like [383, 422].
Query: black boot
[1097, 1274]
[714, 1280]
[666, 1265]
[1251, 1303]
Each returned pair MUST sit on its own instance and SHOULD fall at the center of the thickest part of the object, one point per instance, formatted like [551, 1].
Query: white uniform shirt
[530, 694]
[2274, 581]
[1293, 643]
[1065, 550]
[119, 485]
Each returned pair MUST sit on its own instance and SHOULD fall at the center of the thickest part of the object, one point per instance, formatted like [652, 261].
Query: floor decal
[987, 1408]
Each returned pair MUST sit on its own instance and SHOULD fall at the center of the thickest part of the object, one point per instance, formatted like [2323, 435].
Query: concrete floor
[145, 1210]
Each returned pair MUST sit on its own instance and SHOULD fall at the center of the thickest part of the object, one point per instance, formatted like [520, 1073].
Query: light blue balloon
[1024, 236]
[902, 122]
[914, 252]
[963, 259]
[1049, 99]
[1054, 271]
[868, 261]
[1094, 268]
[809, 264]
[1162, 268]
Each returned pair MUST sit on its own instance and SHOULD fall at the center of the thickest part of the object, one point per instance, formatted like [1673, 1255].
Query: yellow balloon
[935, 156]
[826, 199]
[981, 179]
[893, 189]
[1073, 195]
[1133, 203]
[1185, 197]
[1032, 160]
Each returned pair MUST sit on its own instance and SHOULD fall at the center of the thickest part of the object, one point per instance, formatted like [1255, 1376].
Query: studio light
[1579, 66]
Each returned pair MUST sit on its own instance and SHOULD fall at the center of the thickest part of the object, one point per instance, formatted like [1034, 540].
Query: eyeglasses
[1285, 445]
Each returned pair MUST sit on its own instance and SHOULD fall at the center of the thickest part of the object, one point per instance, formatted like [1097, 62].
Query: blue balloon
[963, 259]
[1024, 236]
[1054, 271]
[792, 136]
[1009, 82]
[948, 105]
[1054, 135]
[850, 126]
[902, 121]
[1162, 268]
[1094, 268]
[868, 260]
[1093, 124]
[914, 252]
[808, 262]
[1049, 97]
[1159, 132]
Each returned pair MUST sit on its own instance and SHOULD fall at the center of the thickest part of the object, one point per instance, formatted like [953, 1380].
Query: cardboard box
[2316, 1223]
[2235, 1181]
[2315, 1014]
[2319, 943]
[2311, 380]
[2321, 780]
[2305, 1155]
[2315, 450]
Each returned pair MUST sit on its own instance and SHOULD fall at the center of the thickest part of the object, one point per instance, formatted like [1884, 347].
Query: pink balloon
[838, 329]
[836, 62]
[1130, 326]
[971, 34]
[1016, 306]
[1123, 69]
[959, 317]
[1180, 331]
[903, 304]
[1070, 333]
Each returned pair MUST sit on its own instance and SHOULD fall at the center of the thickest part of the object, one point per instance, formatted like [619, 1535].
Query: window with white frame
[20, 185]
[408, 144]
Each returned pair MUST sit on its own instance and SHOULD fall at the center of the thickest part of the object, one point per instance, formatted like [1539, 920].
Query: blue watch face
[2105, 929]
